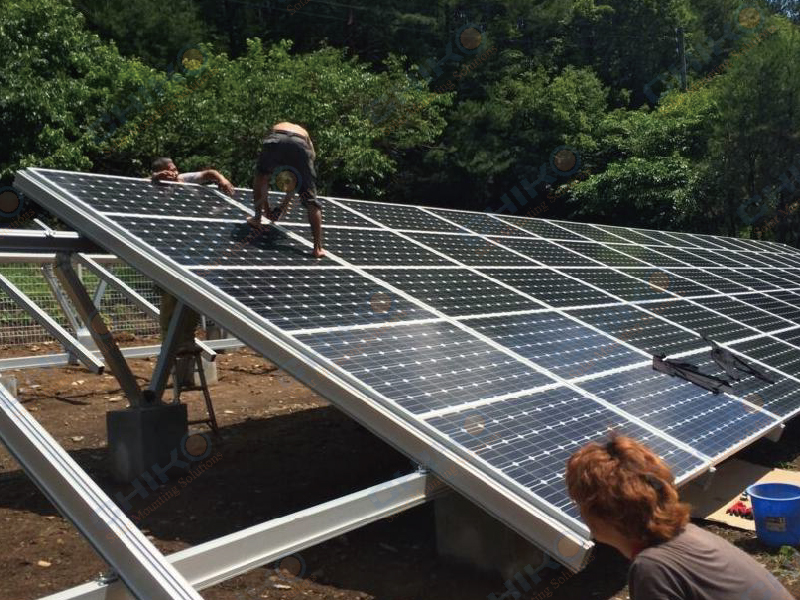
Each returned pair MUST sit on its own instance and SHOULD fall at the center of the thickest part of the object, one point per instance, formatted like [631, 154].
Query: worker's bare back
[286, 126]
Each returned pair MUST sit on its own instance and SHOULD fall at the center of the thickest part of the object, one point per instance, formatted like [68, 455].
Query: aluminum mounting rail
[34, 240]
[143, 569]
[226, 557]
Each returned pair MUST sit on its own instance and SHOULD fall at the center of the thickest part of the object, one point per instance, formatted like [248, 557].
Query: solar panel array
[515, 341]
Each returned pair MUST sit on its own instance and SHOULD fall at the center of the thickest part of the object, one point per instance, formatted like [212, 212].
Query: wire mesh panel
[19, 329]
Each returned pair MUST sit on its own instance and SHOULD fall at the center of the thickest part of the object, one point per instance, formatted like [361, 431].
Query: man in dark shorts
[627, 497]
[288, 154]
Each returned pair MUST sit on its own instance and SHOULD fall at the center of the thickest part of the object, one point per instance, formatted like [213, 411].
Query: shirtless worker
[288, 153]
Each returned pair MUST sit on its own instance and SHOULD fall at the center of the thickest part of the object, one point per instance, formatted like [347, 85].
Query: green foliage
[218, 116]
[55, 77]
[561, 72]
[152, 30]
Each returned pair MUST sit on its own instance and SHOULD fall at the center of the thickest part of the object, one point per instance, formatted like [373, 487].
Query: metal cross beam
[240, 552]
[33, 240]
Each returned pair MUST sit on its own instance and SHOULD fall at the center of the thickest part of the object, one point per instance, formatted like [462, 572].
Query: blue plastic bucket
[776, 511]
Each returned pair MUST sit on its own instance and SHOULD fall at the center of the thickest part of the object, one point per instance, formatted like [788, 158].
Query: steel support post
[81, 332]
[87, 311]
[142, 568]
[69, 342]
[166, 357]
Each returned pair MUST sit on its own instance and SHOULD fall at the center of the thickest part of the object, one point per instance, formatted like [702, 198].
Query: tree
[55, 78]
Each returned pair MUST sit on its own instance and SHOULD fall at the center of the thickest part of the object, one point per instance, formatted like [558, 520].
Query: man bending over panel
[288, 154]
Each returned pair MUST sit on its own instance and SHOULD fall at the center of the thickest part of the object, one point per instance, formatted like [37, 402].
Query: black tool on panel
[730, 362]
[690, 373]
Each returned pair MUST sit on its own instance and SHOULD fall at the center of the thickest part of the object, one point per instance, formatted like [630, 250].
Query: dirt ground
[283, 449]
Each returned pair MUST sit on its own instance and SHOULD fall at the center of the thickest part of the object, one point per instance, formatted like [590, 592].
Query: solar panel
[487, 347]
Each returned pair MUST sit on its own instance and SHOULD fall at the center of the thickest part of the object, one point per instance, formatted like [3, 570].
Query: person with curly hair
[628, 499]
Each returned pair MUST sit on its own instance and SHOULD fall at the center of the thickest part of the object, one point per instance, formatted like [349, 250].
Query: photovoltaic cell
[126, 195]
[790, 337]
[675, 282]
[332, 213]
[550, 287]
[645, 254]
[603, 254]
[711, 423]
[779, 398]
[632, 236]
[425, 367]
[744, 313]
[542, 228]
[545, 252]
[456, 292]
[700, 320]
[529, 439]
[627, 288]
[773, 353]
[748, 278]
[213, 244]
[398, 216]
[686, 256]
[470, 250]
[640, 329]
[565, 347]
[307, 299]
[375, 247]
[665, 238]
[776, 307]
[590, 231]
[480, 223]
[772, 277]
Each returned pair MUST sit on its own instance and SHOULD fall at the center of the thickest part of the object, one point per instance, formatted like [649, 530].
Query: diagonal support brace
[69, 342]
[88, 313]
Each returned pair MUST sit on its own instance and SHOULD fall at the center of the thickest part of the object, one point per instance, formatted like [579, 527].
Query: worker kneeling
[627, 498]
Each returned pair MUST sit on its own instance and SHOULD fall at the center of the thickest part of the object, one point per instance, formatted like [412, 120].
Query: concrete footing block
[469, 535]
[10, 383]
[139, 438]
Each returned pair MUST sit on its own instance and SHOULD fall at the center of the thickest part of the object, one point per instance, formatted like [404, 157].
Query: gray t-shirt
[698, 565]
